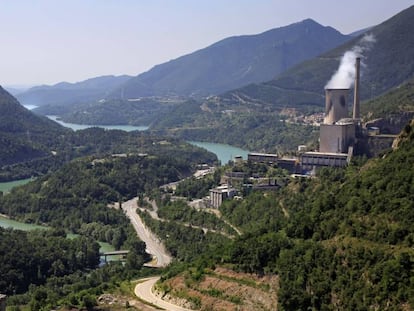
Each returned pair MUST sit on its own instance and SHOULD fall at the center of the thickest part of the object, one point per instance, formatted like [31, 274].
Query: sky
[50, 41]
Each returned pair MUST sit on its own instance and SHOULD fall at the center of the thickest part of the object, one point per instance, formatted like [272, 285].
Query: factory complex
[341, 137]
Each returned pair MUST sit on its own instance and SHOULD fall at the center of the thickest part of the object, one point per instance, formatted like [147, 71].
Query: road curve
[143, 291]
[154, 245]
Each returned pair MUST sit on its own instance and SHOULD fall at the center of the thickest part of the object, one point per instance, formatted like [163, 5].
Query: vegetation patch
[224, 289]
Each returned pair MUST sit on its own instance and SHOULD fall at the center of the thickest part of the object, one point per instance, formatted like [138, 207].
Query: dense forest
[79, 191]
[100, 143]
[31, 258]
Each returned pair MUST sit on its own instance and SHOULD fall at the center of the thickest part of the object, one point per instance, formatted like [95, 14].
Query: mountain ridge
[64, 93]
[235, 61]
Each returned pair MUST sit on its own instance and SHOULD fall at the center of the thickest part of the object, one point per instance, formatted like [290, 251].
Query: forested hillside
[391, 111]
[140, 112]
[386, 64]
[341, 241]
[23, 135]
[260, 132]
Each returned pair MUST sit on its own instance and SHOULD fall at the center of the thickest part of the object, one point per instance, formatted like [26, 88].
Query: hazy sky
[49, 41]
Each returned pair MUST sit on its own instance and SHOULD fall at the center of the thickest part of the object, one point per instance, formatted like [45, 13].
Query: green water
[7, 186]
[224, 152]
[76, 127]
[9, 223]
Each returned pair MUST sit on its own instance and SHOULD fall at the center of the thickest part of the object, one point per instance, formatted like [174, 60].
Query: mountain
[14, 90]
[387, 64]
[360, 32]
[23, 135]
[235, 61]
[68, 93]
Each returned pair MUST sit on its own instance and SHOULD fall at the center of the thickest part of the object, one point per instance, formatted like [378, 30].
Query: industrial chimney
[336, 106]
[355, 113]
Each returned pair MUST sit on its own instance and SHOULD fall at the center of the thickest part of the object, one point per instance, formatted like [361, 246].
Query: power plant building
[338, 133]
[336, 138]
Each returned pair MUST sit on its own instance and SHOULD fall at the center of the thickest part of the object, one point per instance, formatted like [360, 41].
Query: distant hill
[235, 61]
[14, 90]
[139, 112]
[23, 135]
[68, 93]
[387, 64]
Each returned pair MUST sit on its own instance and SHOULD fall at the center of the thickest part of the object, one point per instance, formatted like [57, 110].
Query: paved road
[153, 243]
[143, 291]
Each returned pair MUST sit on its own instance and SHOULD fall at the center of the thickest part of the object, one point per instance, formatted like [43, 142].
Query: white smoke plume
[344, 77]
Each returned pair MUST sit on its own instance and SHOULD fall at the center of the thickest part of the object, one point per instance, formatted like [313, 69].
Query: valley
[234, 177]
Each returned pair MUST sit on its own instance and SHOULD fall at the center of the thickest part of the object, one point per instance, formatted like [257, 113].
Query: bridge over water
[121, 253]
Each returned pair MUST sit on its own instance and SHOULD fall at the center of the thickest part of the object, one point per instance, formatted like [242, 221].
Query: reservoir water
[5, 187]
[10, 223]
[76, 127]
[224, 152]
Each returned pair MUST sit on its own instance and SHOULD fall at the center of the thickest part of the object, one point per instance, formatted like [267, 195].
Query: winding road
[143, 291]
[154, 245]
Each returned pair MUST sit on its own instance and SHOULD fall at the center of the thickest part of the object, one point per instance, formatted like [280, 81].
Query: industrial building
[217, 195]
[262, 157]
[289, 164]
[338, 133]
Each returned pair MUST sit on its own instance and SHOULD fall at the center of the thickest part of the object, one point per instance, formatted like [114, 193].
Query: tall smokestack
[355, 113]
